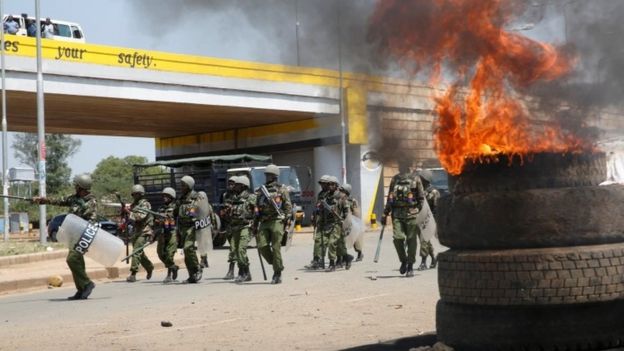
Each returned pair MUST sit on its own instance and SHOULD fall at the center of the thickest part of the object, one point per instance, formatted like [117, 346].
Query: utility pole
[41, 165]
[5, 143]
[343, 126]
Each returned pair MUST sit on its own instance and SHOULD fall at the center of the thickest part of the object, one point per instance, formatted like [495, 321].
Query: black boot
[241, 275]
[339, 261]
[423, 264]
[149, 273]
[248, 275]
[87, 291]
[332, 266]
[434, 261]
[277, 278]
[230, 273]
[410, 270]
[348, 259]
[314, 264]
[76, 295]
[360, 256]
[204, 261]
[168, 279]
[174, 272]
[403, 267]
[198, 274]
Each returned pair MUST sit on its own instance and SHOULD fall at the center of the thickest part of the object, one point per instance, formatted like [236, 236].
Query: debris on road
[166, 324]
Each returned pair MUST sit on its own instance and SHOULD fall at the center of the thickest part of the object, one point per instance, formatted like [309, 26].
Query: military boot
[149, 273]
[204, 262]
[241, 275]
[339, 262]
[131, 278]
[174, 272]
[168, 279]
[230, 273]
[410, 270]
[76, 295]
[198, 274]
[348, 259]
[423, 264]
[277, 278]
[332, 266]
[314, 264]
[434, 261]
[248, 275]
[403, 267]
[360, 256]
[84, 294]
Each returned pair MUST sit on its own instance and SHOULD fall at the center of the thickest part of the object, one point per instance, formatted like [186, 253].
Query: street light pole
[5, 143]
[343, 126]
[40, 130]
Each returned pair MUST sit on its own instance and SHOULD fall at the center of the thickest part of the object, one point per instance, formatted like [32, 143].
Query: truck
[211, 174]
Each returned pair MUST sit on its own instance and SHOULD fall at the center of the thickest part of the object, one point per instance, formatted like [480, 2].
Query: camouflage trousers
[229, 237]
[332, 236]
[187, 236]
[166, 249]
[76, 263]
[269, 239]
[405, 233]
[240, 240]
[140, 258]
[320, 245]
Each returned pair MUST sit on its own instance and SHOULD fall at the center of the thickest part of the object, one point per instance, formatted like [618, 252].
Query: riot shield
[426, 222]
[203, 224]
[354, 231]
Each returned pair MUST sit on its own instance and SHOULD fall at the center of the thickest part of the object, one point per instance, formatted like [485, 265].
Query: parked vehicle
[56, 221]
[63, 30]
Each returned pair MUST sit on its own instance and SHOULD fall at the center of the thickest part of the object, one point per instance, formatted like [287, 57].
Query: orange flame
[487, 118]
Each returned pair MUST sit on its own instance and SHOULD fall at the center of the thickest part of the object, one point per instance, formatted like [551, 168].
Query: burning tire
[544, 170]
[533, 218]
[565, 327]
[569, 275]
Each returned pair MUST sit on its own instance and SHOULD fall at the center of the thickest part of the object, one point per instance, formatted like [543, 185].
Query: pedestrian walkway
[32, 271]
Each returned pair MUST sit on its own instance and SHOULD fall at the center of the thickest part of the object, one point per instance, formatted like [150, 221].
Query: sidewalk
[31, 271]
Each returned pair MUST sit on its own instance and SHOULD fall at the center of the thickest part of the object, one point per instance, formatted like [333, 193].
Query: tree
[114, 174]
[59, 148]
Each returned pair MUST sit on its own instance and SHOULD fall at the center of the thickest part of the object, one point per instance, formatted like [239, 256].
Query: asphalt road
[311, 310]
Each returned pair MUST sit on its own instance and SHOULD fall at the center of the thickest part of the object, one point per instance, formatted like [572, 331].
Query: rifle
[145, 210]
[378, 251]
[17, 197]
[266, 194]
[254, 230]
[328, 208]
[124, 218]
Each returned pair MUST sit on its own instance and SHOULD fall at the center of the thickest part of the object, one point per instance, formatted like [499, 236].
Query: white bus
[63, 30]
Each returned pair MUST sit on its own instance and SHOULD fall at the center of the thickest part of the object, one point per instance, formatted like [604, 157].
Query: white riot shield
[356, 230]
[203, 224]
[426, 222]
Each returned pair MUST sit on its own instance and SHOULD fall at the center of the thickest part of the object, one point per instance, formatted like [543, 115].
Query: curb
[7, 261]
[94, 274]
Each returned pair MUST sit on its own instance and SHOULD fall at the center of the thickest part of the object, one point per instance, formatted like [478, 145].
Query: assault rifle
[29, 199]
[331, 210]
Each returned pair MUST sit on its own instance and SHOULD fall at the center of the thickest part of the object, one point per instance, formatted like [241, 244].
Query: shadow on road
[402, 344]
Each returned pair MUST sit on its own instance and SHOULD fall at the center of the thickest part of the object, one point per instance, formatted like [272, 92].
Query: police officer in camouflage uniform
[242, 216]
[320, 246]
[142, 233]
[270, 224]
[186, 213]
[333, 210]
[164, 230]
[225, 215]
[354, 208]
[431, 195]
[84, 205]
[405, 200]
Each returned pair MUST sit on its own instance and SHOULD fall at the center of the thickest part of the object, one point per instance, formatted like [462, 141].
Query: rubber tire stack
[537, 256]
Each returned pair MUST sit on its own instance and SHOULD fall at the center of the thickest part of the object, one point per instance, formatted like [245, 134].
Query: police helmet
[334, 180]
[138, 189]
[272, 169]
[170, 192]
[83, 181]
[242, 180]
[347, 188]
[232, 179]
[189, 181]
[325, 179]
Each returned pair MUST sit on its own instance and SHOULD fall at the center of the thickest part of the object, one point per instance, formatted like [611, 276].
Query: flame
[487, 116]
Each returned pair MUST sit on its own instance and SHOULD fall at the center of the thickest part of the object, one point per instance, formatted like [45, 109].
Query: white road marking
[365, 298]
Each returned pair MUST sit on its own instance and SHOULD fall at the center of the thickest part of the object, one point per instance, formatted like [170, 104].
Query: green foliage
[114, 174]
[60, 148]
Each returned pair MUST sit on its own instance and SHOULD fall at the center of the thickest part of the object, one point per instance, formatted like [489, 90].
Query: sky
[256, 33]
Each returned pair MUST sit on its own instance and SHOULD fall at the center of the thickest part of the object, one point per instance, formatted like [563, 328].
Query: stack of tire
[536, 259]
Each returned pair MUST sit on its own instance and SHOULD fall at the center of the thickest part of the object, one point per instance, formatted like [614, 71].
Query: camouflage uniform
[186, 213]
[330, 224]
[164, 228]
[271, 225]
[85, 208]
[405, 200]
[141, 234]
[243, 206]
[320, 245]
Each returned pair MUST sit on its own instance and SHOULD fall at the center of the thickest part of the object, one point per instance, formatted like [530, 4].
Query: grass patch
[12, 248]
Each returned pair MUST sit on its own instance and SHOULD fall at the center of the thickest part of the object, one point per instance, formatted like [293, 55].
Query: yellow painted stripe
[357, 115]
